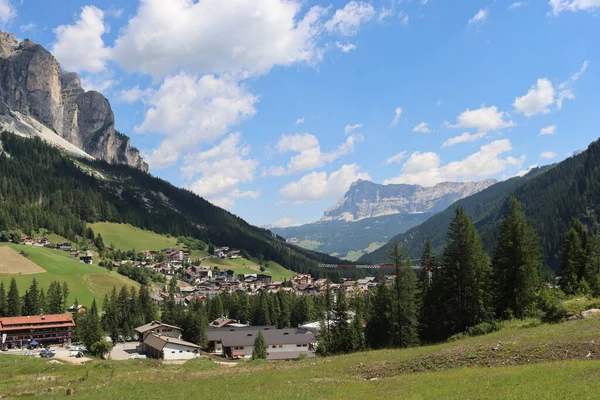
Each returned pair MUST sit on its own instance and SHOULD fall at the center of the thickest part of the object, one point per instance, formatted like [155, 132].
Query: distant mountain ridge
[38, 98]
[370, 214]
[365, 199]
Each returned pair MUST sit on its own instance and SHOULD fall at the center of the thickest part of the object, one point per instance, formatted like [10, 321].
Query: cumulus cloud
[397, 115]
[80, 47]
[558, 6]
[464, 138]
[318, 186]
[548, 130]
[538, 99]
[345, 47]
[346, 21]
[484, 119]
[479, 18]
[221, 169]
[427, 168]
[215, 36]
[135, 94]
[310, 155]
[423, 127]
[8, 12]
[396, 158]
[524, 172]
[189, 110]
[283, 223]
[548, 155]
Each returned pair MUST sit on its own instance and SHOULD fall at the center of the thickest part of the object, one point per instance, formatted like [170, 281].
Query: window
[280, 346]
[274, 346]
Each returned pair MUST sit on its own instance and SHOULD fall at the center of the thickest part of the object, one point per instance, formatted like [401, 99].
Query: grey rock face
[366, 199]
[32, 85]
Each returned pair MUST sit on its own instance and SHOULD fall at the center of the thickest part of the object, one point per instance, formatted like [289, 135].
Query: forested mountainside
[350, 239]
[41, 187]
[551, 197]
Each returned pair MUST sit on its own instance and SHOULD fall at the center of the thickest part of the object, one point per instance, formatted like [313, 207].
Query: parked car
[47, 353]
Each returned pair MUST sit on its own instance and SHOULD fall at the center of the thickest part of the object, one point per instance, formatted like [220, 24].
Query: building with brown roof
[169, 348]
[159, 328]
[44, 329]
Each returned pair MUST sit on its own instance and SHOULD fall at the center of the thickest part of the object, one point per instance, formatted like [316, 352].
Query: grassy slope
[127, 237]
[540, 362]
[85, 281]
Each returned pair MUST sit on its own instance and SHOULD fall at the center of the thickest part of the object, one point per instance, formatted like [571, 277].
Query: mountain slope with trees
[41, 187]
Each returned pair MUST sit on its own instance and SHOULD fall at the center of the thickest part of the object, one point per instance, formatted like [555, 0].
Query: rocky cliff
[38, 98]
[366, 199]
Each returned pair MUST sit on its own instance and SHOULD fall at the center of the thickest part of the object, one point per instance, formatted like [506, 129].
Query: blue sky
[271, 108]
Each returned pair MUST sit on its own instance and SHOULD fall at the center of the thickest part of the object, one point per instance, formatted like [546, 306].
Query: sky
[272, 108]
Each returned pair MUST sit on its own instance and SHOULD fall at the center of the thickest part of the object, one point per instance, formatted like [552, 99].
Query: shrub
[457, 337]
[484, 328]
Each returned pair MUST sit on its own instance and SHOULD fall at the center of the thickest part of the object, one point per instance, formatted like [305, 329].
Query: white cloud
[385, 13]
[347, 20]
[427, 168]
[439, 102]
[27, 27]
[548, 130]
[397, 115]
[351, 128]
[396, 158]
[221, 170]
[423, 127]
[345, 47]
[404, 19]
[189, 110]
[8, 12]
[538, 100]
[464, 138]
[524, 172]
[319, 186]
[135, 94]
[80, 47]
[215, 36]
[300, 121]
[310, 155]
[566, 94]
[282, 223]
[517, 4]
[480, 18]
[559, 6]
[100, 82]
[578, 74]
[548, 155]
[484, 119]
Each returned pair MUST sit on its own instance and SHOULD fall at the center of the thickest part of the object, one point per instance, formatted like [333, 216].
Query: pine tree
[31, 305]
[259, 351]
[576, 258]
[340, 330]
[464, 277]
[65, 294]
[427, 264]
[3, 311]
[380, 324]
[516, 265]
[405, 307]
[13, 301]
[55, 299]
[260, 313]
[195, 324]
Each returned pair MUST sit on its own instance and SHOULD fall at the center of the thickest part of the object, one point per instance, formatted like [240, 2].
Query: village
[227, 339]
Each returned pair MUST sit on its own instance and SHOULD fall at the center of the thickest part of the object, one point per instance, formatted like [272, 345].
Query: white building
[168, 348]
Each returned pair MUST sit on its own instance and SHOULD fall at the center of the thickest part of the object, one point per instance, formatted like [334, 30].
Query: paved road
[125, 351]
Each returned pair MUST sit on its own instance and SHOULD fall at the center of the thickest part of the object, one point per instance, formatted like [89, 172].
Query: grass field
[13, 263]
[532, 361]
[85, 281]
[128, 237]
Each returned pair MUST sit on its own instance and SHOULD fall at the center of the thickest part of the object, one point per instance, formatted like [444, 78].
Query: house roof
[159, 342]
[154, 325]
[246, 337]
[55, 319]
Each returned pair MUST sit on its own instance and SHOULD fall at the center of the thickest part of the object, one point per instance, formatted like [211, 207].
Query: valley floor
[524, 360]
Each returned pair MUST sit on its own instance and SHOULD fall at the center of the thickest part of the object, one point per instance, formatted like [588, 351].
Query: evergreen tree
[405, 306]
[55, 299]
[31, 305]
[380, 324]
[260, 313]
[65, 294]
[576, 258]
[42, 302]
[99, 243]
[340, 330]
[516, 265]
[3, 311]
[89, 328]
[195, 324]
[427, 265]
[259, 351]
[13, 301]
[463, 278]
